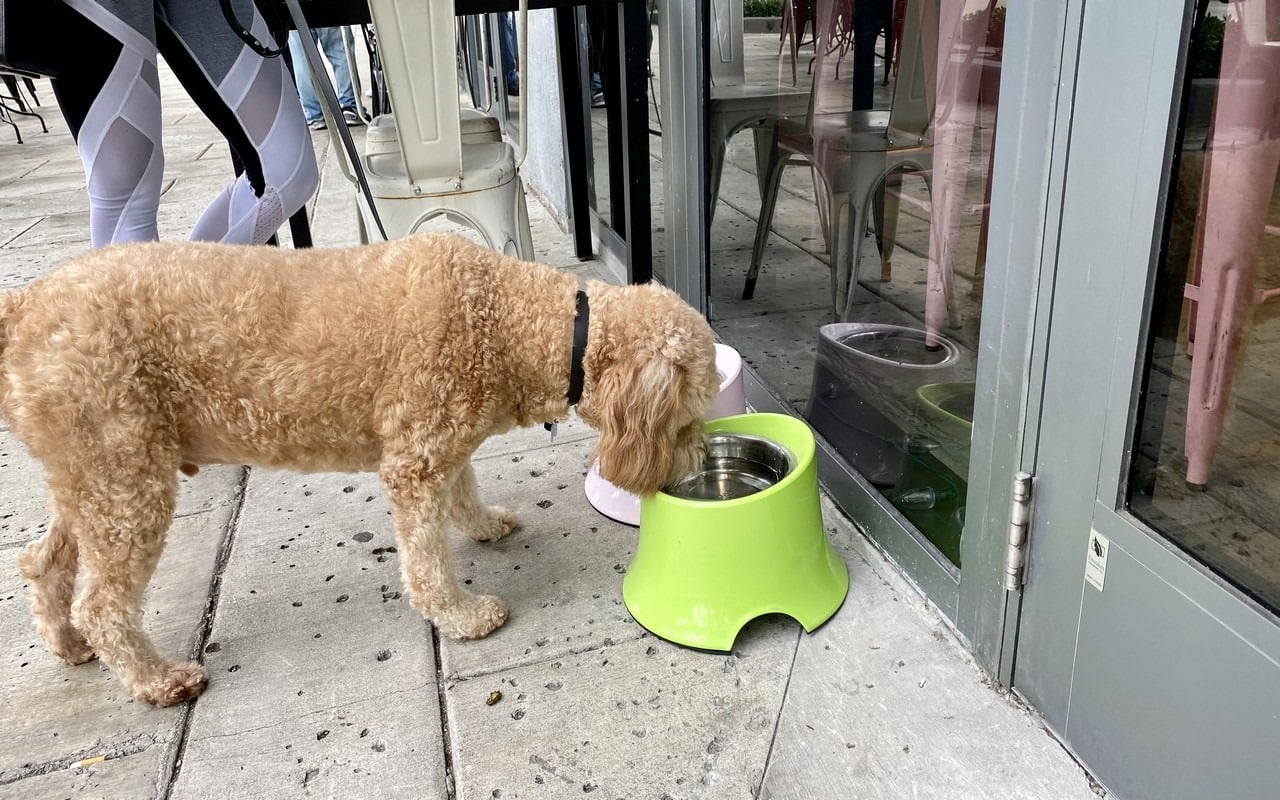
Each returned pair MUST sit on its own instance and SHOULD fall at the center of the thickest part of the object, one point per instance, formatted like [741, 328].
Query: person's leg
[112, 106]
[595, 52]
[302, 78]
[252, 102]
[330, 42]
[866, 30]
[507, 41]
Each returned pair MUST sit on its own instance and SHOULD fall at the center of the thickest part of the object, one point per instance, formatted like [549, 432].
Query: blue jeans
[329, 40]
[507, 40]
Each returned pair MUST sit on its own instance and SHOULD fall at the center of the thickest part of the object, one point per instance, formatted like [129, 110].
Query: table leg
[576, 128]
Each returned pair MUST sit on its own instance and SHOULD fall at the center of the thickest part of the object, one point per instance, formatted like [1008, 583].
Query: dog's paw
[74, 650]
[496, 523]
[177, 683]
[472, 617]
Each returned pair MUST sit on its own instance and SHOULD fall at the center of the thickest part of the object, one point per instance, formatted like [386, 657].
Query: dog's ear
[639, 409]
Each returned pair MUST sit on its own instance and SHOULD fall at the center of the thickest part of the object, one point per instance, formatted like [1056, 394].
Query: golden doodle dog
[134, 362]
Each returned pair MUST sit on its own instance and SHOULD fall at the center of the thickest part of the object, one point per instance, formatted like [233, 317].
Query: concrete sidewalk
[325, 683]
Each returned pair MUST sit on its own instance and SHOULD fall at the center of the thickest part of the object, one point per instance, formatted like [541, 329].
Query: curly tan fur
[134, 362]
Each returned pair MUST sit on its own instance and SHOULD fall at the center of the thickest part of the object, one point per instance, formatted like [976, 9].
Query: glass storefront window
[848, 236]
[1204, 468]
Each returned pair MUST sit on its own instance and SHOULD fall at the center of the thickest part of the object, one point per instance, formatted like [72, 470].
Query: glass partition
[851, 164]
[1203, 472]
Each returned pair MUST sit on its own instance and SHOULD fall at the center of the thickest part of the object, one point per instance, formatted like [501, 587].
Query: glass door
[851, 159]
[1149, 635]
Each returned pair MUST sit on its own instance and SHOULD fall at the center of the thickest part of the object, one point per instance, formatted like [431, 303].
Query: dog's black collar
[580, 323]
[577, 375]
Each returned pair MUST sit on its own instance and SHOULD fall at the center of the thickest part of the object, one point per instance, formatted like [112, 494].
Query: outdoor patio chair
[737, 104]
[433, 171]
[853, 154]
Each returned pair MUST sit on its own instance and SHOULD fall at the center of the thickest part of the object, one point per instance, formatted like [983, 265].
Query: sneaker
[350, 117]
[317, 124]
[597, 99]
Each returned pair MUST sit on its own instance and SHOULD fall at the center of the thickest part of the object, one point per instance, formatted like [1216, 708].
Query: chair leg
[718, 144]
[768, 201]
[789, 35]
[765, 139]
[846, 254]
[11, 83]
[8, 120]
[788, 24]
[887, 203]
[824, 208]
[525, 236]
[300, 228]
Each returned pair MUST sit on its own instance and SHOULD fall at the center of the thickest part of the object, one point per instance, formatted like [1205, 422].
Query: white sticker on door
[1095, 563]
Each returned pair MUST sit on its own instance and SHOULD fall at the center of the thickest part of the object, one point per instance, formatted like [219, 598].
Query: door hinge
[1015, 558]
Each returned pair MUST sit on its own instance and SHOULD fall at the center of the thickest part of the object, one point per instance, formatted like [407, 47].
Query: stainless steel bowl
[899, 346]
[737, 465]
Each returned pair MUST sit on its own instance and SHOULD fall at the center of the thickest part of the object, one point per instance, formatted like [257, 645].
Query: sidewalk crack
[446, 742]
[777, 722]
[169, 773]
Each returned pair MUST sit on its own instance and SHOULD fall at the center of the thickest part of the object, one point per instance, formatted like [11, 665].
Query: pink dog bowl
[624, 507]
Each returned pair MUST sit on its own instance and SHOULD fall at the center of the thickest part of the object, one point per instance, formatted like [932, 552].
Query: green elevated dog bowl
[739, 538]
[946, 416]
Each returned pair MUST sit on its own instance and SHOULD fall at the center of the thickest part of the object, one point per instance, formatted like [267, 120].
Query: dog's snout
[689, 452]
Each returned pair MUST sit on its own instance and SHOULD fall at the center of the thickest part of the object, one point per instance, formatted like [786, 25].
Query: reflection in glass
[597, 71]
[1204, 466]
[848, 238]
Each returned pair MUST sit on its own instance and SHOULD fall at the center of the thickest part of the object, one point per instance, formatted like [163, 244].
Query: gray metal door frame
[1165, 683]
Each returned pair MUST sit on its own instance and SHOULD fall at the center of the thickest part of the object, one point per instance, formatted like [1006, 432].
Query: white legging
[251, 99]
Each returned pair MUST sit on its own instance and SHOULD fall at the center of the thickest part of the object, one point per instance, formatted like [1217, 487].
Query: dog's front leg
[419, 499]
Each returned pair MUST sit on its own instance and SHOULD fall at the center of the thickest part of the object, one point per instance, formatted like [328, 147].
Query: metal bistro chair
[736, 104]
[431, 171]
[435, 173]
[854, 153]
[381, 136]
[13, 83]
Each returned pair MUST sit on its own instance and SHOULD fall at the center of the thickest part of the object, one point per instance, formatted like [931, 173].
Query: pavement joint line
[777, 721]
[19, 233]
[446, 740]
[173, 767]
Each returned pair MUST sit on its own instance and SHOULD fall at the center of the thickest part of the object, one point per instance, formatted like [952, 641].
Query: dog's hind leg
[419, 501]
[124, 530]
[49, 566]
[471, 516]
